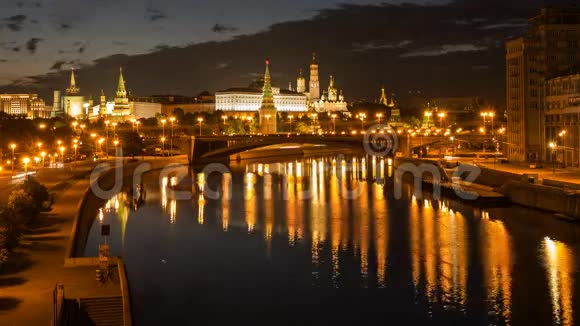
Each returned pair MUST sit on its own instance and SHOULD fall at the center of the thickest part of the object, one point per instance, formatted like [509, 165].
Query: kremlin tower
[268, 112]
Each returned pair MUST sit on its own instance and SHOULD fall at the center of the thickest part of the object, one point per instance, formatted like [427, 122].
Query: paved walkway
[570, 175]
[26, 288]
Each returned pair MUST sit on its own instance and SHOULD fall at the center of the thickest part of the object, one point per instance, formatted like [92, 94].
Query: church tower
[268, 112]
[300, 83]
[383, 100]
[332, 92]
[314, 90]
[72, 89]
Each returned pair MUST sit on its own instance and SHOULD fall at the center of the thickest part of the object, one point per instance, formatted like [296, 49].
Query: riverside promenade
[27, 282]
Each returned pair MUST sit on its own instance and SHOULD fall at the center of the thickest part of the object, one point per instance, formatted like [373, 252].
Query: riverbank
[545, 191]
[27, 284]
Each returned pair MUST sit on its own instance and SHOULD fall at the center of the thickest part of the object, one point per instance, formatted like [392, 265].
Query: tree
[38, 192]
[11, 227]
[302, 127]
[132, 143]
[22, 204]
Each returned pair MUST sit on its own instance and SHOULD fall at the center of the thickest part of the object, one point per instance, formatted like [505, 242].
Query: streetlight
[163, 122]
[441, 116]
[553, 146]
[200, 120]
[362, 117]
[26, 160]
[172, 119]
[114, 130]
[224, 117]
[39, 144]
[42, 154]
[137, 123]
[333, 116]
[62, 153]
[290, 117]
[13, 146]
[107, 122]
[428, 115]
[379, 116]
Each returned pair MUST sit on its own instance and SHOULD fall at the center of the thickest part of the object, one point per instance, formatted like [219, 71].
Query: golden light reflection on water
[439, 252]
[560, 269]
[497, 262]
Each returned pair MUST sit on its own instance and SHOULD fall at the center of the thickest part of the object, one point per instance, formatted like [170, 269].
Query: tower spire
[267, 90]
[383, 100]
[121, 91]
[72, 89]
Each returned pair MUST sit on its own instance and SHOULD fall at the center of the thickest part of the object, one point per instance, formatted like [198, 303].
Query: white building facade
[250, 100]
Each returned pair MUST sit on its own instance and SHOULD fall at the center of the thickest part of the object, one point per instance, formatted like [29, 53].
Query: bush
[22, 205]
[38, 192]
[11, 227]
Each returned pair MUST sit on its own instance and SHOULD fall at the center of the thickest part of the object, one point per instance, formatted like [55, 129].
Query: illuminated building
[268, 111]
[249, 99]
[28, 105]
[562, 117]
[331, 100]
[550, 47]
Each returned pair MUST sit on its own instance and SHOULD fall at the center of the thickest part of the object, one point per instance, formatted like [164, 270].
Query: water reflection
[560, 270]
[334, 223]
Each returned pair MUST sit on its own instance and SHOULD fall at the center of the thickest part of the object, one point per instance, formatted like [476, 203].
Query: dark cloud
[32, 44]
[15, 22]
[57, 65]
[154, 14]
[451, 49]
[3, 60]
[221, 28]
[64, 26]
[81, 49]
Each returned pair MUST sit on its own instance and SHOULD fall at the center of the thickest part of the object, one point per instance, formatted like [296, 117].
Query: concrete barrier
[552, 199]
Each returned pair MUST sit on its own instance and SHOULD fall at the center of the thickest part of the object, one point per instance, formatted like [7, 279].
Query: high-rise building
[562, 119]
[549, 48]
[27, 105]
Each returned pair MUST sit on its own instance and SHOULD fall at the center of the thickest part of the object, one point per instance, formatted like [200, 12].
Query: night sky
[440, 48]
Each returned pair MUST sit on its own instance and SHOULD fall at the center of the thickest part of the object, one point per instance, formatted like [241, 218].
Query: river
[324, 241]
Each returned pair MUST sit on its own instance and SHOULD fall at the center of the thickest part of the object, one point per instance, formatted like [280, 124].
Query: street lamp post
[107, 137]
[13, 146]
[172, 119]
[163, 122]
[26, 160]
[290, 117]
[224, 117]
[441, 116]
[362, 117]
[42, 155]
[62, 154]
[379, 116]
[553, 146]
[333, 116]
[200, 120]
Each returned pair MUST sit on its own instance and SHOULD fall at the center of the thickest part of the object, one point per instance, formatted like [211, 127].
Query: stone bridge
[204, 149]
[207, 148]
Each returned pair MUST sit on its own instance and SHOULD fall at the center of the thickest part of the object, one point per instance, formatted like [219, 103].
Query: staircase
[103, 311]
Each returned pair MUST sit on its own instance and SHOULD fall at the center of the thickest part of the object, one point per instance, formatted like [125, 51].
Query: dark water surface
[323, 241]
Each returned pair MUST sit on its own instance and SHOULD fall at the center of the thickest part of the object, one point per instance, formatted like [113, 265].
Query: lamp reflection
[560, 269]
